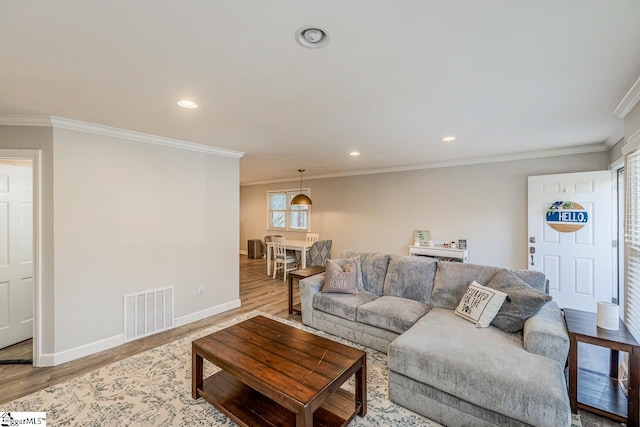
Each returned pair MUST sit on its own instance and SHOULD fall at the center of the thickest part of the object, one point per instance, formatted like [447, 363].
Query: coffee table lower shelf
[248, 407]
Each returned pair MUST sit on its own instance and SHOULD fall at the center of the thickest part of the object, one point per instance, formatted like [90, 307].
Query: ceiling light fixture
[354, 153]
[448, 138]
[187, 104]
[301, 199]
[312, 37]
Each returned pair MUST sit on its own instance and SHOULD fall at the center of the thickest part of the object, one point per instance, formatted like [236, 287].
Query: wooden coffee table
[275, 374]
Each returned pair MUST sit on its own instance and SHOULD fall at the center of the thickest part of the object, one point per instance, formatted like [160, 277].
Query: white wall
[131, 217]
[485, 204]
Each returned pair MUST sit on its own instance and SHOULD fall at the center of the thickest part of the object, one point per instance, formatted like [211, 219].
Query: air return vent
[147, 313]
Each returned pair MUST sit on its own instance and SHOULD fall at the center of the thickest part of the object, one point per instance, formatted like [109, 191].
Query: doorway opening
[19, 257]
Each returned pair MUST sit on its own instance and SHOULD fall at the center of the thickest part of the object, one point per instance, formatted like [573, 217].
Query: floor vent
[147, 313]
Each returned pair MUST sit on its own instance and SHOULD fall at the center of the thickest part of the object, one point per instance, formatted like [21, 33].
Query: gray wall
[485, 204]
[615, 152]
[123, 217]
[632, 122]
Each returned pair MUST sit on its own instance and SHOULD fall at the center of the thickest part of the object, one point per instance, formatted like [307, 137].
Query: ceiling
[506, 77]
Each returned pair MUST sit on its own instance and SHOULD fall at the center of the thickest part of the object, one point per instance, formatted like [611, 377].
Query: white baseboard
[53, 359]
[211, 311]
[242, 252]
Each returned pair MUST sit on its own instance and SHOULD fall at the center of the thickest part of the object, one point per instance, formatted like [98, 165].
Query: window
[632, 242]
[283, 216]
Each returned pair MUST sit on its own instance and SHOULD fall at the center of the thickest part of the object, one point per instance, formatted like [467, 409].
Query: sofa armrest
[546, 334]
[308, 288]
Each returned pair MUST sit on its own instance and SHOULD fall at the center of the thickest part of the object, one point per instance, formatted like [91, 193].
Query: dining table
[295, 245]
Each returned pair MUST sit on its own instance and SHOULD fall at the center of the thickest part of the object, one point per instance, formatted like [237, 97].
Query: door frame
[35, 157]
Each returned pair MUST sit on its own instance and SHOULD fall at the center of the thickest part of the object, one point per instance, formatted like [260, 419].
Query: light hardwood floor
[257, 292]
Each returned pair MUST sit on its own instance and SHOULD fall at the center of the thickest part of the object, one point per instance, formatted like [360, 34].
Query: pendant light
[301, 199]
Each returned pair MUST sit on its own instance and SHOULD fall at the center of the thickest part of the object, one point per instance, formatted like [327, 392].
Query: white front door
[578, 264]
[16, 254]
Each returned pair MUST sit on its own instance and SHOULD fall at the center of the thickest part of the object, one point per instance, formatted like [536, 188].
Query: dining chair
[319, 253]
[313, 237]
[268, 239]
[282, 258]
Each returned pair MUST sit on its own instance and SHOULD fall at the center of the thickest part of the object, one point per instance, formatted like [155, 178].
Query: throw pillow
[479, 305]
[523, 301]
[353, 260]
[410, 277]
[340, 279]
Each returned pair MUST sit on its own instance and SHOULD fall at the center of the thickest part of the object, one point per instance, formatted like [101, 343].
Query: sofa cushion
[340, 279]
[453, 278]
[391, 313]
[410, 277]
[374, 269]
[523, 301]
[479, 304]
[341, 305]
[483, 366]
[352, 260]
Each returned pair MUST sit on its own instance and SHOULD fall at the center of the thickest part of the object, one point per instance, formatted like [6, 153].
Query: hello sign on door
[567, 217]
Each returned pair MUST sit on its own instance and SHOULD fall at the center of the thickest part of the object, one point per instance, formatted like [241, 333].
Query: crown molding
[79, 126]
[629, 101]
[583, 149]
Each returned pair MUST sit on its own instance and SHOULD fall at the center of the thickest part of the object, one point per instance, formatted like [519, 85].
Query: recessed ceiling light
[312, 36]
[354, 153]
[187, 104]
[448, 138]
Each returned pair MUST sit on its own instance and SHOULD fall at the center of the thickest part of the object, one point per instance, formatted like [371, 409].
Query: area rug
[154, 389]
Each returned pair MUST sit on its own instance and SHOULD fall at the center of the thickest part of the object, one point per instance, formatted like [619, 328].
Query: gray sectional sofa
[441, 365]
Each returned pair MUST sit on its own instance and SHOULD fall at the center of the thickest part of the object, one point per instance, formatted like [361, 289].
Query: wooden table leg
[573, 373]
[613, 364]
[196, 374]
[361, 387]
[290, 295]
[634, 388]
[304, 418]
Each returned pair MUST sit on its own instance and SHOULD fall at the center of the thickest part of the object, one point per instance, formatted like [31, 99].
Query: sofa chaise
[441, 365]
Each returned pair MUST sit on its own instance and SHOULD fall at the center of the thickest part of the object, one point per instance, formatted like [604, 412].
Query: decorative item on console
[421, 237]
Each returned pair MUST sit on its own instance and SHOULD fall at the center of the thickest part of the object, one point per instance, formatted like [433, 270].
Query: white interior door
[578, 264]
[16, 254]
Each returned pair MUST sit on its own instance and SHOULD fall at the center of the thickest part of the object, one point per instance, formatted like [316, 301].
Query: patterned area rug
[154, 389]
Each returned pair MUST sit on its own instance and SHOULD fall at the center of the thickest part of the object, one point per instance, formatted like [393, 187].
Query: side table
[598, 393]
[298, 275]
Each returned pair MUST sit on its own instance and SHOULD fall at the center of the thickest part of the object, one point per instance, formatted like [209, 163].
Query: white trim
[53, 359]
[629, 101]
[617, 164]
[582, 149]
[36, 170]
[632, 143]
[79, 126]
[243, 252]
[211, 311]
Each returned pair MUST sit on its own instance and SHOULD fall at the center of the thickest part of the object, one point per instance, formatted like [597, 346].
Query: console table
[449, 254]
[599, 393]
[298, 275]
